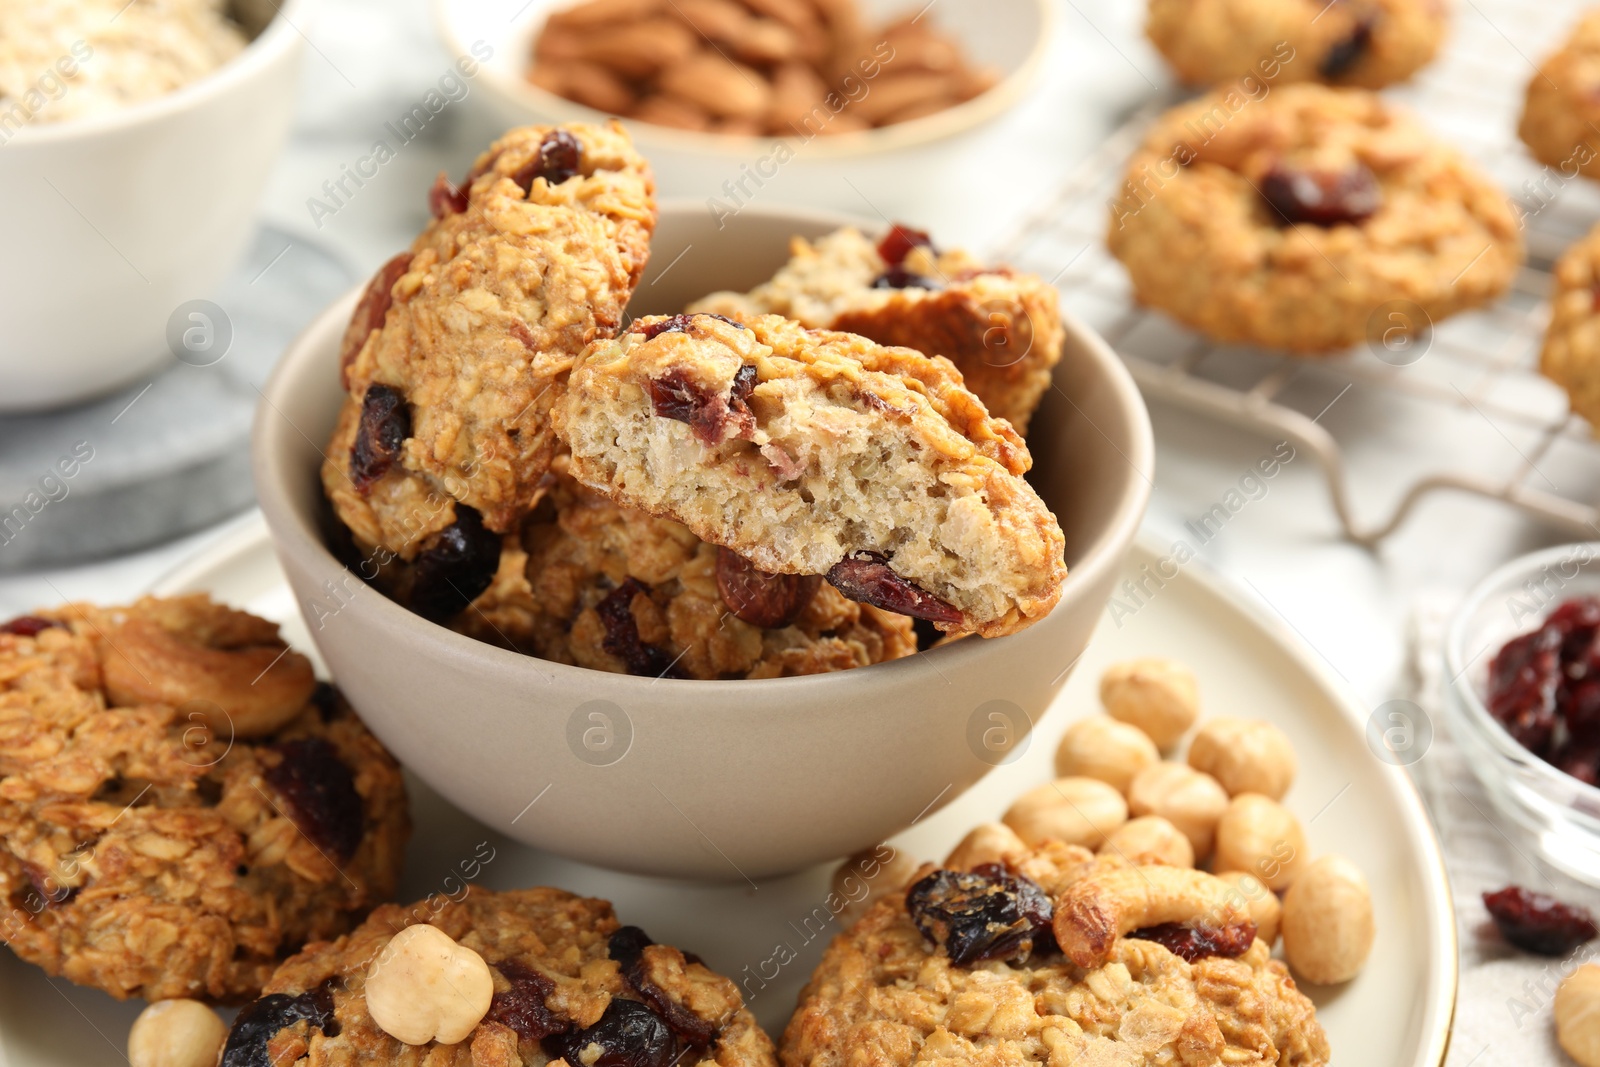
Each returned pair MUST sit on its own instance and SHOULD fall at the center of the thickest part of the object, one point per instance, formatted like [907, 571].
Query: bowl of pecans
[766, 81]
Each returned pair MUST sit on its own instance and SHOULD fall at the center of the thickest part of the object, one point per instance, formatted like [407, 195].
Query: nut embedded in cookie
[873, 466]
[1000, 327]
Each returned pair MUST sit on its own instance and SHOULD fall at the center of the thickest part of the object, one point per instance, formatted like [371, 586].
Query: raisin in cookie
[1367, 43]
[1295, 221]
[964, 967]
[617, 590]
[569, 984]
[460, 347]
[1571, 355]
[1001, 328]
[144, 848]
[1562, 109]
[811, 452]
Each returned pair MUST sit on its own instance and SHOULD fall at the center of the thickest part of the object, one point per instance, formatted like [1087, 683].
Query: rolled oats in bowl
[70, 59]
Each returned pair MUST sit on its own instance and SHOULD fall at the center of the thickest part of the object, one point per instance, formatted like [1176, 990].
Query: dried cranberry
[321, 794]
[1346, 53]
[897, 244]
[458, 564]
[1200, 941]
[868, 578]
[522, 1007]
[1523, 678]
[900, 278]
[444, 198]
[713, 418]
[28, 626]
[983, 914]
[682, 324]
[622, 634]
[369, 314]
[1581, 760]
[385, 425]
[259, 1022]
[1539, 923]
[47, 892]
[759, 598]
[629, 1034]
[1321, 197]
[325, 698]
[560, 157]
[627, 947]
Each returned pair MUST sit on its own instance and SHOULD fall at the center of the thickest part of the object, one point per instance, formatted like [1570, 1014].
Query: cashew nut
[1101, 747]
[1078, 811]
[990, 842]
[176, 1033]
[1189, 800]
[866, 878]
[1091, 914]
[1150, 839]
[189, 652]
[1159, 696]
[1578, 1015]
[1265, 908]
[1259, 835]
[1328, 928]
[424, 987]
[1245, 756]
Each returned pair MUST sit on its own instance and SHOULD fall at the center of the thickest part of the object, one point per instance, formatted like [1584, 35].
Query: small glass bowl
[1560, 814]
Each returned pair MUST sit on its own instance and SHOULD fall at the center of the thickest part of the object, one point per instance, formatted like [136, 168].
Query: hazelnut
[1150, 839]
[1188, 799]
[424, 987]
[1327, 922]
[990, 842]
[1101, 747]
[1259, 835]
[1078, 811]
[1159, 696]
[1578, 1015]
[1266, 910]
[176, 1033]
[1245, 756]
[866, 878]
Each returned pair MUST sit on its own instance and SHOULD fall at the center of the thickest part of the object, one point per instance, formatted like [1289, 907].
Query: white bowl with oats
[134, 143]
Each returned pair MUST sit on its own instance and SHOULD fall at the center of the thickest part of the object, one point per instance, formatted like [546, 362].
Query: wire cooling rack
[1480, 368]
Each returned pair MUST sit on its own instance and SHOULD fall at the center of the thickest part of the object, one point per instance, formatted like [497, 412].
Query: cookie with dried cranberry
[149, 850]
[1366, 43]
[571, 985]
[1000, 327]
[460, 347]
[1571, 354]
[616, 590]
[1562, 108]
[1309, 220]
[810, 452]
[964, 967]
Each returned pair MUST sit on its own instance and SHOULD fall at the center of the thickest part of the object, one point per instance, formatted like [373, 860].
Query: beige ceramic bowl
[696, 779]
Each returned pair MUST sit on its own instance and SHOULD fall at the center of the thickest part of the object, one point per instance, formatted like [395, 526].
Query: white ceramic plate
[1396, 1014]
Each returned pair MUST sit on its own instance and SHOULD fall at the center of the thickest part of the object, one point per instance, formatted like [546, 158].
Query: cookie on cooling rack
[532, 976]
[1367, 43]
[147, 847]
[1571, 354]
[1301, 219]
[1562, 110]
[1054, 955]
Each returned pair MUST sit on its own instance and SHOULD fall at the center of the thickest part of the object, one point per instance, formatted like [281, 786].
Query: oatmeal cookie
[567, 978]
[961, 968]
[460, 347]
[1571, 355]
[1367, 43]
[810, 452]
[147, 851]
[1001, 328]
[1293, 221]
[617, 590]
[1562, 109]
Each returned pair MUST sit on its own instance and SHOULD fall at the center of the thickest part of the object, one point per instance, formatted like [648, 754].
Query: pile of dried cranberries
[1544, 688]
